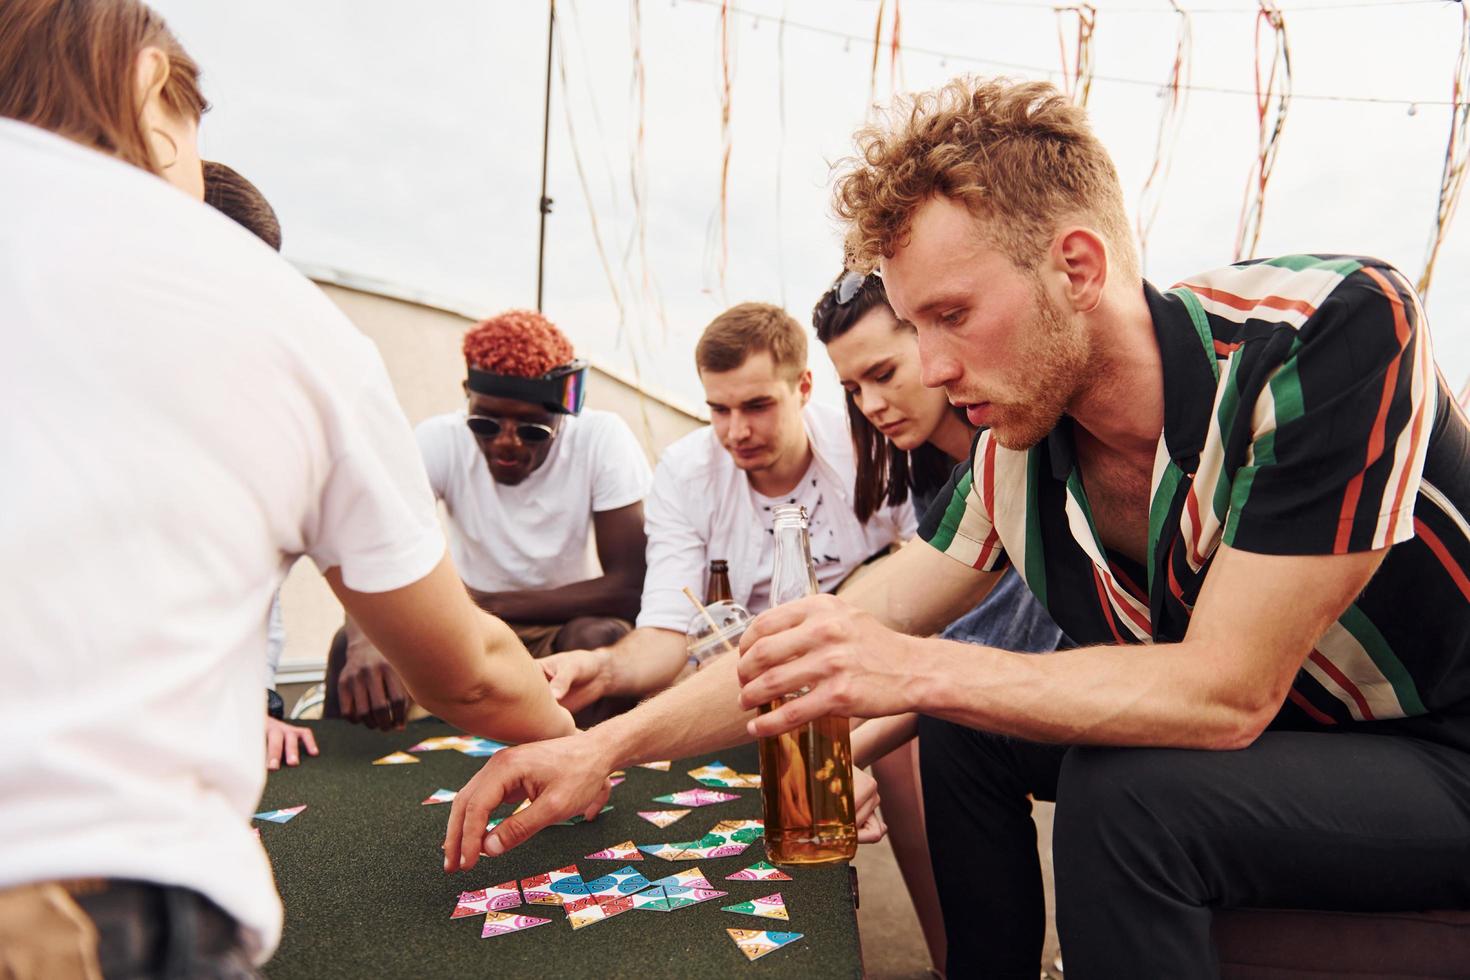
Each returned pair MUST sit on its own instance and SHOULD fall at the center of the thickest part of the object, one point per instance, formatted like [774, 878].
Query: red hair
[518, 343]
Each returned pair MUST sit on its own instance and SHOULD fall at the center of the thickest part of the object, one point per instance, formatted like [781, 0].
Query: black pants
[1148, 841]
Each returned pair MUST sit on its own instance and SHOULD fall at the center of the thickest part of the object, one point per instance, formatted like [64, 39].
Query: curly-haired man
[1243, 497]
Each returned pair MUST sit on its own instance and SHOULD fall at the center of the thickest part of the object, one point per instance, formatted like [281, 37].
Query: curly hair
[1017, 154]
[519, 343]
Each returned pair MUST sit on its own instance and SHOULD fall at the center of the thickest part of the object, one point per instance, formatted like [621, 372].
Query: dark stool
[1279, 944]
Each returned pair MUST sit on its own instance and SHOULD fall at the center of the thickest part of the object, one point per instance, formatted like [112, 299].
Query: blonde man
[713, 494]
[1244, 498]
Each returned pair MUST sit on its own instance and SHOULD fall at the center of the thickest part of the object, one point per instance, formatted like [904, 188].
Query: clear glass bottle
[806, 774]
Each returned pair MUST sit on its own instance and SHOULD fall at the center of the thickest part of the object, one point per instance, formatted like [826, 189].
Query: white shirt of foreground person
[185, 415]
[702, 508]
[535, 535]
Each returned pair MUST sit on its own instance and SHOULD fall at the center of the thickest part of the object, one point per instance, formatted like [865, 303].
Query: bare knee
[587, 632]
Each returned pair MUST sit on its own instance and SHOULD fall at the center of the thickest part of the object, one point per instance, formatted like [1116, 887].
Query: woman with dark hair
[908, 439]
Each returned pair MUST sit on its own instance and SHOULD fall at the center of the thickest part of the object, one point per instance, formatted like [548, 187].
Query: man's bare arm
[1257, 618]
[919, 590]
[459, 662]
[642, 662]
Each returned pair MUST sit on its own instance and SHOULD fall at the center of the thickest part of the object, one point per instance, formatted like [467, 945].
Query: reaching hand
[852, 665]
[286, 741]
[560, 777]
[870, 825]
[368, 689]
[578, 677]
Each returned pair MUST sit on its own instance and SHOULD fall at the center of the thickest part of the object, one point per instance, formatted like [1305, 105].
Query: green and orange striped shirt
[1303, 415]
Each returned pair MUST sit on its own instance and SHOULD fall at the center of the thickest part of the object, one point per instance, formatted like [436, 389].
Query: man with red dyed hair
[527, 477]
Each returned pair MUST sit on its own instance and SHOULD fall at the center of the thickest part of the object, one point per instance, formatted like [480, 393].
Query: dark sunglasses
[847, 287]
[488, 427]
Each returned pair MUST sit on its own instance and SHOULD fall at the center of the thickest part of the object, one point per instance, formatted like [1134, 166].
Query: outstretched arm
[459, 662]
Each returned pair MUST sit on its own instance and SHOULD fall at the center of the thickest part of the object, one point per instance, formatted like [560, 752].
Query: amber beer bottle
[806, 774]
[718, 589]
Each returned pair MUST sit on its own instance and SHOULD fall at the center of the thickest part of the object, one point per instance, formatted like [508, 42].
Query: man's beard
[1054, 357]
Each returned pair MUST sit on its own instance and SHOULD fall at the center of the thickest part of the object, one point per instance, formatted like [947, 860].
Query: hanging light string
[895, 53]
[1077, 76]
[877, 47]
[726, 13]
[995, 63]
[1171, 117]
[1273, 99]
[607, 269]
[1456, 154]
[781, 151]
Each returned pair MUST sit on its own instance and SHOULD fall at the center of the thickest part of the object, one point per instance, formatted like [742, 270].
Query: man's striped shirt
[1303, 415]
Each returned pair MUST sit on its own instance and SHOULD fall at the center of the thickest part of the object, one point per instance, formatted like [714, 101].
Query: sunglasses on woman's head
[488, 427]
[847, 287]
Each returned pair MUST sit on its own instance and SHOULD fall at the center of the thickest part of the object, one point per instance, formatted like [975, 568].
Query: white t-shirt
[534, 535]
[702, 507]
[816, 499]
[185, 415]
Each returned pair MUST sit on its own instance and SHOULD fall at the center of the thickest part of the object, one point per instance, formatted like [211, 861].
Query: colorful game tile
[677, 891]
[760, 871]
[767, 907]
[441, 742]
[496, 898]
[395, 759]
[617, 780]
[480, 747]
[662, 818]
[500, 924]
[441, 796]
[661, 766]
[578, 818]
[280, 816]
[696, 797]
[626, 851]
[599, 911]
[616, 884]
[554, 887]
[757, 944]
[718, 774]
[725, 839]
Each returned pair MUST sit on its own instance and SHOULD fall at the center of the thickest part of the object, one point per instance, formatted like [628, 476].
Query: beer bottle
[718, 589]
[806, 774]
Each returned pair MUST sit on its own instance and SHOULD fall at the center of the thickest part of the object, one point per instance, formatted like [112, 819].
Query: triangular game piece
[496, 898]
[669, 852]
[554, 887]
[719, 774]
[662, 818]
[441, 796]
[598, 912]
[662, 765]
[696, 797]
[626, 851]
[480, 747]
[395, 759]
[280, 816]
[500, 924]
[760, 871]
[616, 884]
[441, 742]
[756, 944]
[767, 907]
[575, 818]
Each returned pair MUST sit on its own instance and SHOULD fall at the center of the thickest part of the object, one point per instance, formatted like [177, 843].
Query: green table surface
[361, 874]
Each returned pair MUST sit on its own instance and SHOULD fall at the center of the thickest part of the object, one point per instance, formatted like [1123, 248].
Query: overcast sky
[402, 142]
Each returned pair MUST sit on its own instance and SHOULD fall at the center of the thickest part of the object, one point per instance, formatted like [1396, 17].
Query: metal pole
[545, 145]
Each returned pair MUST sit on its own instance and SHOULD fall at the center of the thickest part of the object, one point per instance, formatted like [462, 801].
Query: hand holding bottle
[850, 664]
